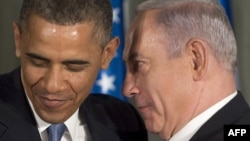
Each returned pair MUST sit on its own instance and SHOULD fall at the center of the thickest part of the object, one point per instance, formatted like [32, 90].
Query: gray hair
[71, 12]
[184, 20]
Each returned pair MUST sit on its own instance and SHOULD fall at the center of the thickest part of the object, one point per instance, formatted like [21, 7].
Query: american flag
[110, 81]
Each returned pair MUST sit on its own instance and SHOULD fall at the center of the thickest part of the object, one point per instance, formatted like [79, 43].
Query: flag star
[106, 82]
[116, 18]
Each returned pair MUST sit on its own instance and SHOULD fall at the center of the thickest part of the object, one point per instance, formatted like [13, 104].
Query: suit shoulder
[123, 115]
[110, 103]
[10, 79]
[245, 119]
[3, 78]
[105, 99]
[117, 109]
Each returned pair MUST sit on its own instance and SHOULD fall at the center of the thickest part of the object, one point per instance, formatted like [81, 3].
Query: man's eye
[75, 68]
[38, 63]
[137, 65]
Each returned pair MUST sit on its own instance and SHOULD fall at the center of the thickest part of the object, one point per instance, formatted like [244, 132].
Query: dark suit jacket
[107, 118]
[235, 112]
[11, 123]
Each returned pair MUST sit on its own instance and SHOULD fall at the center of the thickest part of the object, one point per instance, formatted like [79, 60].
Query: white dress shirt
[74, 132]
[194, 125]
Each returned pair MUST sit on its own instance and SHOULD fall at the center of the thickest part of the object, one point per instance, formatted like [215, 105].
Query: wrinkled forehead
[142, 23]
[132, 34]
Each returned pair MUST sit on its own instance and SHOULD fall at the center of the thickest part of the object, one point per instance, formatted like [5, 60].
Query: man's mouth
[52, 103]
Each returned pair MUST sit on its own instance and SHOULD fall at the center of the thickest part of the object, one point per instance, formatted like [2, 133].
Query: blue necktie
[55, 132]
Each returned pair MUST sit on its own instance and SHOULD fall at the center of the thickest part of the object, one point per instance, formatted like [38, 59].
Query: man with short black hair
[62, 44]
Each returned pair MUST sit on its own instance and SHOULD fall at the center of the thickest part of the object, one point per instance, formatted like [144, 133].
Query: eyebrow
[38, 57]
[75, 62]
[135, 55]
[132, 56]
[66, 62]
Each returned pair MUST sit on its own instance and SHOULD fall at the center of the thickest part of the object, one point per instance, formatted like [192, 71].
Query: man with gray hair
[181, 58]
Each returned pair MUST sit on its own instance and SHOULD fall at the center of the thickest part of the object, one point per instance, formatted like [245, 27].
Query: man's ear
[109, 52]
[198, 50]
[17, 38]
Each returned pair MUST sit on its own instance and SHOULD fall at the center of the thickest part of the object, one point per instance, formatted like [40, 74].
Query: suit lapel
[229, 114]
[99, 124]
[15, 95]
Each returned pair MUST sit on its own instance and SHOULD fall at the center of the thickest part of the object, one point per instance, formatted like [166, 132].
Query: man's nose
[55, 80]
[129, 86]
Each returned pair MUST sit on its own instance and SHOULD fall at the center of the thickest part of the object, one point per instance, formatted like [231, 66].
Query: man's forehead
[131, 40]
[143, 22]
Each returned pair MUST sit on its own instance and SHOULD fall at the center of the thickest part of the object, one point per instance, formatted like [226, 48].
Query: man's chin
[54, 118]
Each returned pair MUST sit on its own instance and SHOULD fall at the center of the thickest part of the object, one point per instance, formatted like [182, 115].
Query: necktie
[55, 131]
